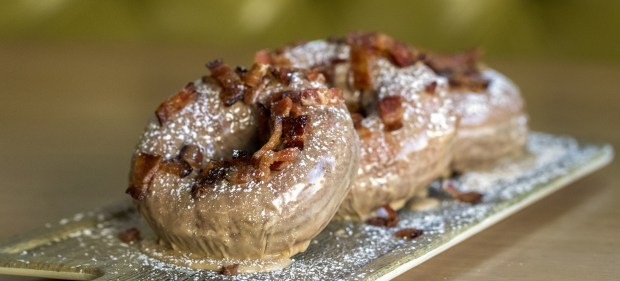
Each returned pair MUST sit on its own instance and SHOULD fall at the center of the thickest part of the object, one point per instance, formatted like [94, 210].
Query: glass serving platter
[86, 246]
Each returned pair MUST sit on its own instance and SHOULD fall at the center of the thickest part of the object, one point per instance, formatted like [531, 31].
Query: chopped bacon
[391, 112]
[430, 88]
[317, 96]
[272, 143]
[283, 157]
[232, 87]
[213, 172]
[255, 75]
[283, 74]
[145, 167]
[229, 270]
[282, 107]
[409, 233]
[389, 220]
[360, 66]
[240, 173]
[264, 164]
[130, 235]
[263, 57]
[471, 197]
[460, 69]
[192, 155]
[176, 103]
[401, 55]
[293, 129]
[176, 167]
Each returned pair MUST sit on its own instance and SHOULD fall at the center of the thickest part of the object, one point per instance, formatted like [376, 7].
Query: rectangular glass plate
[86, 246]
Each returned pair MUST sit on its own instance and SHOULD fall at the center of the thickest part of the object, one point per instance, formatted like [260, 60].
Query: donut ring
[405, 122]
[493, 122]
[210, 203]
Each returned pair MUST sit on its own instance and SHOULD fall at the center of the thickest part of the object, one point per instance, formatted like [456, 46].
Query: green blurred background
[571, 29]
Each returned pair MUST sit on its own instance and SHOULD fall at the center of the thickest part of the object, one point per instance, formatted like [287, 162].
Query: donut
[401, 112]
[493, 121]
[243, 167]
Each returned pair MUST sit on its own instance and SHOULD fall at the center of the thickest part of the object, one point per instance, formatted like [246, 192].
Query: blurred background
[80, 78]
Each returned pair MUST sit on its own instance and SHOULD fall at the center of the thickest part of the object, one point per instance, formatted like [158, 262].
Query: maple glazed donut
[493, 121]
[405, 122]
[244, 167]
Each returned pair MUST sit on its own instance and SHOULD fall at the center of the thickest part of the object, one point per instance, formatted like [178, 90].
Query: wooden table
[71, 114]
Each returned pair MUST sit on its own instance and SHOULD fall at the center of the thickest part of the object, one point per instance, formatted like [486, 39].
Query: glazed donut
[405, 122]
[243, 167]
[493, 122]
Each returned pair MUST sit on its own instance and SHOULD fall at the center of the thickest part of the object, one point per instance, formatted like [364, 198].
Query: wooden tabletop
[71, 114]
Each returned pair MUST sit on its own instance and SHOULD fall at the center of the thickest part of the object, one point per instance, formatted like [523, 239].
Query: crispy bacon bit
[263, 57]
[192, 155]
[256, 74]
[229, 270]
[272, 143]
[401, 55]
[176, 103]
[214, 172]
[409, 233]
[316, 96]
[283, 157]
[283, 74]
[471, 197]
[130, 235]
[145, 167]
[293, 129]
[460, 69]
[431, 88]
[240, 173]
[360, 66]
[383, 45]
[389, 220]
[282, 107]
[391, 112]
[176, 167]
[321, 74]
[264, 165]
[357, 120]
[232, 87]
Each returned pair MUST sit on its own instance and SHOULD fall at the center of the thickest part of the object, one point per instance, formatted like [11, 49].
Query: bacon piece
[409, 233]
[192, 155]
[282, 107]
[401, 55]
[389, 220]
[240, 173]
[272, 143]
[471, 197]
[145, 167]
[430, 88]
[213, 172]
[176, 167]
[360, 66]
[130, 235]
[230, 270]
[391, 112]
[255, 75]
[176, 103]
[317, 96]
[283, 157]
[232, 87]
[264, 165]
[293, 129]
[263, 57]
